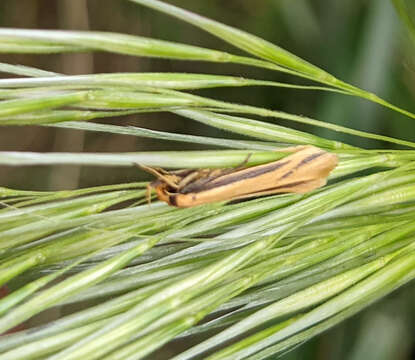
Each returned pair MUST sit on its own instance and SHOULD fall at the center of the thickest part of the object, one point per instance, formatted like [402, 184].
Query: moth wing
[297, 188]
[317, 169]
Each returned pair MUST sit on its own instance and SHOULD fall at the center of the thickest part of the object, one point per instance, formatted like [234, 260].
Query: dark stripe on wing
[301, 163]
[235, 177]
[309, 159]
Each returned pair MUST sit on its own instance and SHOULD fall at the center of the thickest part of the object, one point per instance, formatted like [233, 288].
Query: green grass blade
[247, 42]
[24, 70]
[16, 107]
[266, 50]
[296, 302]
[178, 81]
[383, 279]
[72, 285]
[162, 135]
[182, 159]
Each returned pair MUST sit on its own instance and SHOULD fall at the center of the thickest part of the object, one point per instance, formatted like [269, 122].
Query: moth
[306, 169]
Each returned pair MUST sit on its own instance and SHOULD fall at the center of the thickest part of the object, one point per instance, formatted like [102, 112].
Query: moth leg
[158, 175]
[149, 189]
[189, 178]
[182, 172]
[243, 163]
[227, 171]
[221, 172]
[198, 179]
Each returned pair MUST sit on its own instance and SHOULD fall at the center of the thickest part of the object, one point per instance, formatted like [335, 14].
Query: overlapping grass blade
[162, 135]
[54, 41]
[163, 99]
[382, 281]
[178, 81]
[275, 271]
[266, 50]
[267, 263]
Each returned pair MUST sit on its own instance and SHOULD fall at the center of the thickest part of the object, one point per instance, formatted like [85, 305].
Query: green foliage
[265, 274]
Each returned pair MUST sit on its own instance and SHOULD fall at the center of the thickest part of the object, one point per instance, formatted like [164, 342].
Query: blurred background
[361, 42]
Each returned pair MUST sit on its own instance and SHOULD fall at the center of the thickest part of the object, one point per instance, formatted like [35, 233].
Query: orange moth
[304, 170]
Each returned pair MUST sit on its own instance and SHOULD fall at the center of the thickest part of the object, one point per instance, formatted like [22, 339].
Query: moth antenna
[157, 174]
